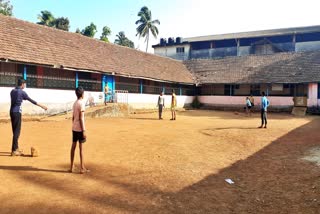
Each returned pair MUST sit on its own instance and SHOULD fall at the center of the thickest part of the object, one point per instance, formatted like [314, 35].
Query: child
[173, 105]
[17, 96]
[160, 105]
[78, 129]
[264, 106]
[252, 102]
[248, 106]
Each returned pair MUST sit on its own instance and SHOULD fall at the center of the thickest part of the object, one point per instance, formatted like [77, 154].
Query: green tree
[146, 24]
[78, 30]
[105, 33]
[6, 7]
[62, 23]
[46, 18]
[90, 30]
[123, 40]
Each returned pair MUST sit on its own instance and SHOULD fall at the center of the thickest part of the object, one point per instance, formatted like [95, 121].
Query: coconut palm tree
[146, 24]
[123, 40]
[46, 18]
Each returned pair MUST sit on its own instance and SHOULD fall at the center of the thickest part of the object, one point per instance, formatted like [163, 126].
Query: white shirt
[161, 100]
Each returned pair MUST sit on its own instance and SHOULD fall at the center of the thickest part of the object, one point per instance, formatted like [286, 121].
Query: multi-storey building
[241, 44]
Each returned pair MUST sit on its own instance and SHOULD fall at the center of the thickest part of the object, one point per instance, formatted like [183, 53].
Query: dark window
[188, 90]
[9, 74]
[200, 45]
[168, 87]
[52, 78]
[229, 90]
[255, 90]
[306, 37]
[90, 81]
[180, 50]
[128, 84]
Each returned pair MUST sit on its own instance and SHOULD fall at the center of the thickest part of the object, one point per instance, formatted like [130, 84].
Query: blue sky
[185, 18]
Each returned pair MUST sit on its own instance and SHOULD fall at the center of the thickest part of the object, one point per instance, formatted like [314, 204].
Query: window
[255, 90]
[180, 50]
[229, 90]
[90, 81]
[9, 74]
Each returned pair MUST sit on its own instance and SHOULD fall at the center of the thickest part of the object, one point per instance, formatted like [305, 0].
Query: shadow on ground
[273, 180]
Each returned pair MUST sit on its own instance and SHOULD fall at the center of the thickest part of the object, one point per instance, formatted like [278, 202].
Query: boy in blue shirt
[264, 106]
[17, 96]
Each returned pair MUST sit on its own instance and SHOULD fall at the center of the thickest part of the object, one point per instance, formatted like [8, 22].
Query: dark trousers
[16, 128]
[160, 110]
[263, 117]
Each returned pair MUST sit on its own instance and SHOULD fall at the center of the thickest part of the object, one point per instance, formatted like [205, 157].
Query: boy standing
[160, 105]
[248, 106]
[173, 105]
[78, 129]
[17, 96]
[106, 94]
[264, 106]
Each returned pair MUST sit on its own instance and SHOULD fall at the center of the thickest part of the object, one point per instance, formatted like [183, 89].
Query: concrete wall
[171, 51]
[313, 94]
[275, 101]
[239, 101]
[62, 100]
[56, 100]
[150, 100]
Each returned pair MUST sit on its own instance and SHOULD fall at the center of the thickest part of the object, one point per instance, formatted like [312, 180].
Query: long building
[54, 62]
[241, 44]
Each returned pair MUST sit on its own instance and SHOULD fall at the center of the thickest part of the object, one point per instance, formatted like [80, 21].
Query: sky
[178, 18]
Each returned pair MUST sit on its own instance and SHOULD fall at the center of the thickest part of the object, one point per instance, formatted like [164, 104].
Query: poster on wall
[277, 87]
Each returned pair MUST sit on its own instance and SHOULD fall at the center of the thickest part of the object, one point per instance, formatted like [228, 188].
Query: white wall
[313, 94]
[171, 51]
[150, 100]
[62, 100]
[56, 100]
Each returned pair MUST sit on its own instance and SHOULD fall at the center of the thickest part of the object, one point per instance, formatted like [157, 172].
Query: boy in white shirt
[78, 129]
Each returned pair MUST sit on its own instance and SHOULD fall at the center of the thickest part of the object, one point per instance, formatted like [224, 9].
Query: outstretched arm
[26, 97]
[42, 106]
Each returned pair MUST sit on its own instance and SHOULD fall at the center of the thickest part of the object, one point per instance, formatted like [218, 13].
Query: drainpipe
[25, 72]
[77, 80]
[141, 86]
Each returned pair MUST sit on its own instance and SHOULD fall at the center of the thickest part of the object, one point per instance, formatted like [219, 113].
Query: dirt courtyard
[143, 165]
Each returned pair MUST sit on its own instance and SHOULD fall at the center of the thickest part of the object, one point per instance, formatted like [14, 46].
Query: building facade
[55, 62]
[241, 44]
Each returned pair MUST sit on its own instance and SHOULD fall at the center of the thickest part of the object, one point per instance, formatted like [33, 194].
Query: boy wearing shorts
[173, 105]
[78, 129]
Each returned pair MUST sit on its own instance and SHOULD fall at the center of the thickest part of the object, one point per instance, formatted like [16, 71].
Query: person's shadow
[5, 154]
[30, 168]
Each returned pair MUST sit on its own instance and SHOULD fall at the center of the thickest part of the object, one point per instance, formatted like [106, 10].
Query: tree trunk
[147, 42]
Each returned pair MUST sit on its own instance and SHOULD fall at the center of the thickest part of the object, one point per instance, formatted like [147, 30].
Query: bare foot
[82, 171]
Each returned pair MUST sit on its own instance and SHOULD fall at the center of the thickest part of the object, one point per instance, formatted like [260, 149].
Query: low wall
[238, 102]
[62, 100]
[150, 100]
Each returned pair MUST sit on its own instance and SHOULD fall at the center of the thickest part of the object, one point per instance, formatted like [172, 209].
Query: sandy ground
[144, 165]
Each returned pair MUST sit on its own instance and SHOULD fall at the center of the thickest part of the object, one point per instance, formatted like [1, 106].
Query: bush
[195, 103]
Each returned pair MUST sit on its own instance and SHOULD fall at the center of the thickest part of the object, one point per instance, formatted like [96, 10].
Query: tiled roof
[290, 67]
[26, 42]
